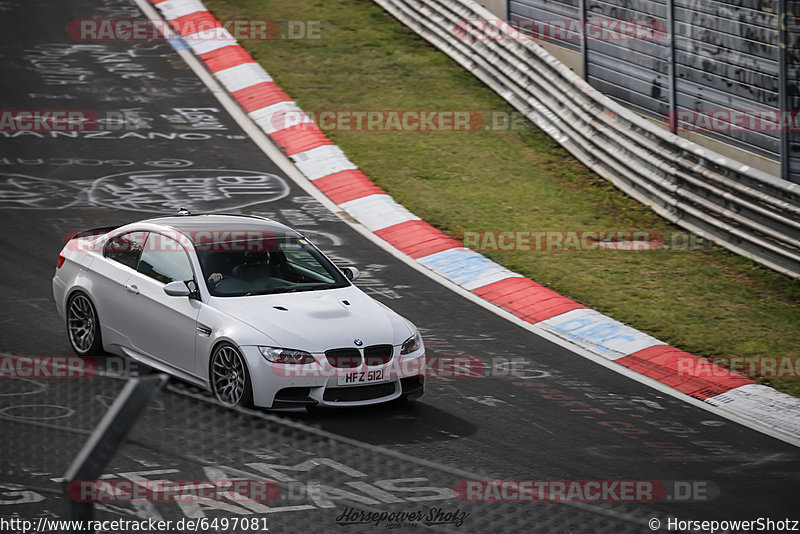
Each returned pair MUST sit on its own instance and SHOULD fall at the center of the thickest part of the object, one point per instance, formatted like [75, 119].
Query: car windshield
[262, 267]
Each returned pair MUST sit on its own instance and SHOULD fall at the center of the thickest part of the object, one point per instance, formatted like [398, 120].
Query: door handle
[130, 288]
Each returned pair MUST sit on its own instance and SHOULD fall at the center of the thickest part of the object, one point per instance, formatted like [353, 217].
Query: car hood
[316, 321]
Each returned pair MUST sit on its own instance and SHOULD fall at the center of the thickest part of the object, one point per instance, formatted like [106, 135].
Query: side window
[125, 248]
[165, 260]
[300, 257]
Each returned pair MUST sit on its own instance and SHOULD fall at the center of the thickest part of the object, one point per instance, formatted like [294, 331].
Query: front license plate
[353, 378]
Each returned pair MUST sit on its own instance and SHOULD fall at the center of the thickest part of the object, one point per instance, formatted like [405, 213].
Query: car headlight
[287, 356]
[411, 344]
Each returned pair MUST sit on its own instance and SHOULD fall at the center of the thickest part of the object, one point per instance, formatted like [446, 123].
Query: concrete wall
[499, 8]
[572, 59]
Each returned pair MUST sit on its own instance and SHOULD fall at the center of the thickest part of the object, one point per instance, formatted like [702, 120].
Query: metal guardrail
[740, 208]
[186, 439]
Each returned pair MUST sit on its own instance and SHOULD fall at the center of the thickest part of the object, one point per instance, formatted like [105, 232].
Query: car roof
[223, 226]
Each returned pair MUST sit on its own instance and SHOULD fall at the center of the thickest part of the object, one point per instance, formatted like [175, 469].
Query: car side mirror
[177, 289]
[351, 273]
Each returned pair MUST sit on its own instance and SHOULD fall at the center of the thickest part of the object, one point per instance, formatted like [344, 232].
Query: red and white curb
[326, 166]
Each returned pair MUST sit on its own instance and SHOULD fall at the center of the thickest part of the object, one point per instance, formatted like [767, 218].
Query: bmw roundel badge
[358, 342]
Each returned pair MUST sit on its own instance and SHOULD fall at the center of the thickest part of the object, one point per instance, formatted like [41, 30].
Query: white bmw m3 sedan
[243, 306]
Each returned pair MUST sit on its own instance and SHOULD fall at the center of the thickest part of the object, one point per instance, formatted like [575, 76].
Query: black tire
[83, 326]
[229, 377]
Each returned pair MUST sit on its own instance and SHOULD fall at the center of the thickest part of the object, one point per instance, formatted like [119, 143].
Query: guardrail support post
[107, 438]
[673, 102]
[584, 48]
[783, 87]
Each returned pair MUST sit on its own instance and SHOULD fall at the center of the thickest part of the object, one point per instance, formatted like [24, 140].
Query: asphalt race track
[164, 142]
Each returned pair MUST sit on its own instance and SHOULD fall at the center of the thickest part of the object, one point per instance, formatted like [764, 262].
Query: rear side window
[165, 260]
[125, 248]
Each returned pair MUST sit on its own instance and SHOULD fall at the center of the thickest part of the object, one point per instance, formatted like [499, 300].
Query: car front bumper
[317, 384]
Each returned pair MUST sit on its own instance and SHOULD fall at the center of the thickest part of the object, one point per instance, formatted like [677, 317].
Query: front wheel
[230, 380]
[83, 326]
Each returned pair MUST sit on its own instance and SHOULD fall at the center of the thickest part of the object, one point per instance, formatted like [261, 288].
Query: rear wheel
[83, 326]
[230, 380]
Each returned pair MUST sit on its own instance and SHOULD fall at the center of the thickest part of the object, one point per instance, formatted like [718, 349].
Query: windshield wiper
[292, 289]
[314, 288]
